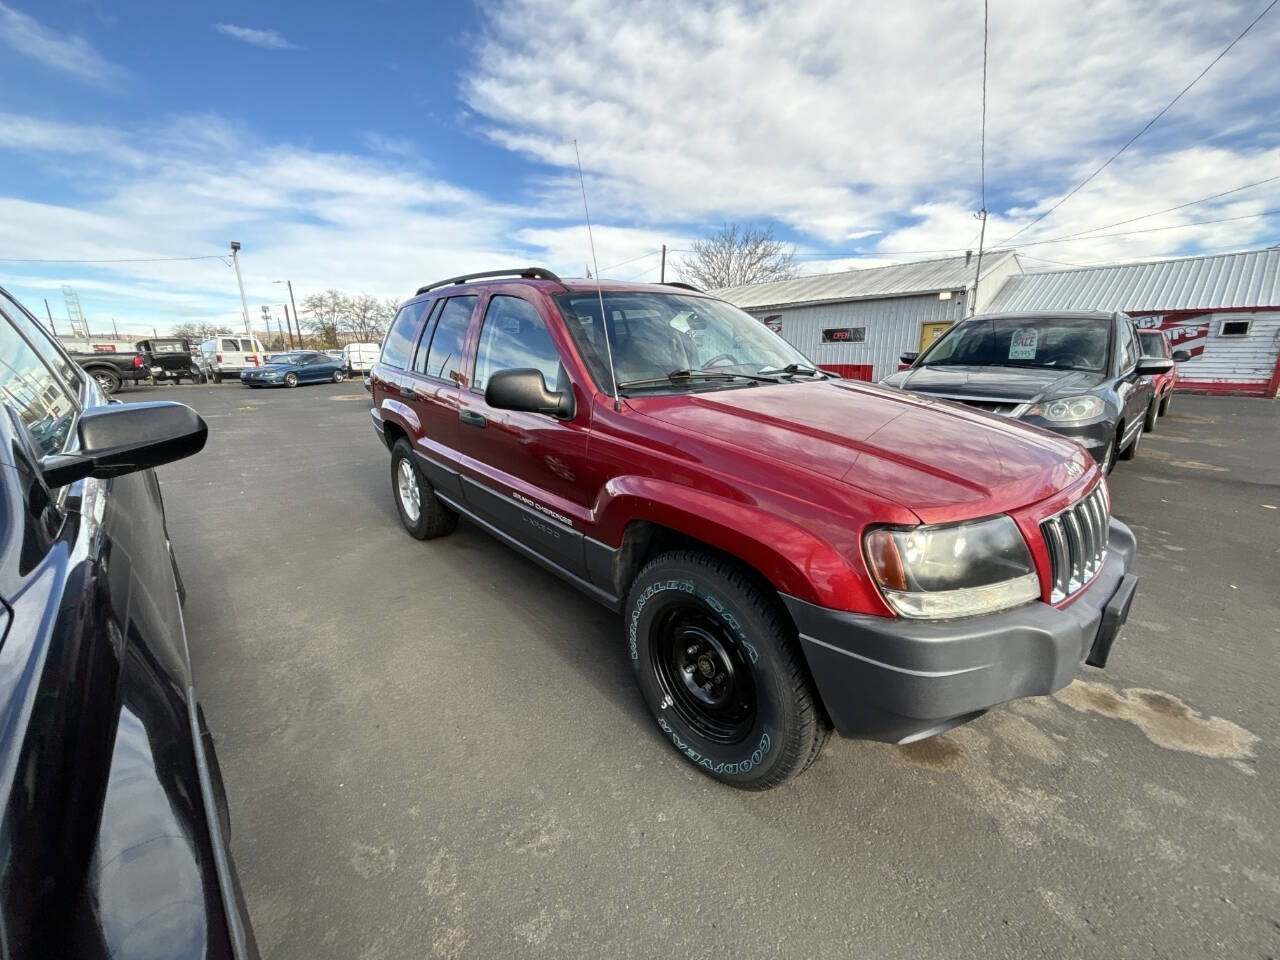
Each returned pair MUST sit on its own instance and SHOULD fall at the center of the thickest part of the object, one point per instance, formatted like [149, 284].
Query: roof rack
[529, 273]
[677, 283]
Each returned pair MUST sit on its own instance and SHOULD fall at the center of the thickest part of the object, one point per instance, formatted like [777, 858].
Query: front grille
[1077, 542]
[1005, 406]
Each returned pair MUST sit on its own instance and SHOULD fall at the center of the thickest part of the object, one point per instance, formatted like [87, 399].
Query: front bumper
[1094, 436]
[900, 680]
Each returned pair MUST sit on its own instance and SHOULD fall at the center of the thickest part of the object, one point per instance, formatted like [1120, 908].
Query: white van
[360, 357]
[226, 356]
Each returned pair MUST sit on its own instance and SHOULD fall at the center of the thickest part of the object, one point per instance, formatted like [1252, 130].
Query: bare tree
[367, 318]
[736, 255]
[197, 331]
[325, 313]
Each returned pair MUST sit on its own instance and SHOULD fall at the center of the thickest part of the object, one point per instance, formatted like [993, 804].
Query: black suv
[113, 821]
[1082, 375]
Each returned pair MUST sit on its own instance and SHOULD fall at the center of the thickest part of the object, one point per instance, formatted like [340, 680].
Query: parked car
[170, 358]
[790, 552]
[291, 369]
[112, 370]
[1155, 343]
[360, 357]
[225, 356]
[115, 839]
[1081, 375]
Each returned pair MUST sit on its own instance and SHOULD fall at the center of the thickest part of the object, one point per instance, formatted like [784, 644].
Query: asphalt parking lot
[435, 749]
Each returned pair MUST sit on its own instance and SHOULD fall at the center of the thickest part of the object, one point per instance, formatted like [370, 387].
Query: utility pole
[114, 328]
[244, 304]
[662, 273]
[288, 325]
[982, 235]
[52, 326]
[297, 320]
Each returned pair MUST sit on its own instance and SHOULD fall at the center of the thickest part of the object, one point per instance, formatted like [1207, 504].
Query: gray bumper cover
[899, 680]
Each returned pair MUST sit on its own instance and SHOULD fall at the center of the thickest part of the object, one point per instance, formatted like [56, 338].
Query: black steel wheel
[703, 670]
[717, 660]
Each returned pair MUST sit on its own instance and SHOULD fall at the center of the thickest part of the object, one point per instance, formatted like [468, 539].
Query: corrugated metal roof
[929, 276]
[1250, 280]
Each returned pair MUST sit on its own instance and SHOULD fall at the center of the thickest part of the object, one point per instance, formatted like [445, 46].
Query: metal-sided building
[1224, 310]
[856, 323]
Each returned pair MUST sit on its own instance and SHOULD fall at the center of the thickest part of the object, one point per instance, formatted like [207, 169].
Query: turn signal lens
[882, 554]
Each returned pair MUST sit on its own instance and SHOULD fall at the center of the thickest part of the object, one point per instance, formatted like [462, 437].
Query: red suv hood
[938, 459]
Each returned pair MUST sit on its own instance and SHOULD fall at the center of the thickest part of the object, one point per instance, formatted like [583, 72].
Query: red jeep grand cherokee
[791, 552]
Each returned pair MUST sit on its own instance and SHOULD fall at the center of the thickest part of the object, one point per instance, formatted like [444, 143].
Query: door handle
[408, 393]
[473, 419]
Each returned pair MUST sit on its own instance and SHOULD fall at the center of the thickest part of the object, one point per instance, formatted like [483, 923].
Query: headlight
[1068, 409]
[953, 571]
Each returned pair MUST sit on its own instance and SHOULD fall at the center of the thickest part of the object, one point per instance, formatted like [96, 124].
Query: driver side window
[514, 336]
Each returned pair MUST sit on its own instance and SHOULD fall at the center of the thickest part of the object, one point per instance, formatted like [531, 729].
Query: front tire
[717, 661]
[1153, 413]
[290, 379]
[1131, 451]
[1164, 404]
[422, 514]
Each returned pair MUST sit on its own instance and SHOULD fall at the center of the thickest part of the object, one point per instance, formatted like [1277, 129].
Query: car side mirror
[523, 388]
[1153, 366]
[909, 357]
[1181, 356]
[125, 438]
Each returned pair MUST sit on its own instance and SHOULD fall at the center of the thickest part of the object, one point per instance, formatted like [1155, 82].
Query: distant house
[1224, 309]
[857, 322]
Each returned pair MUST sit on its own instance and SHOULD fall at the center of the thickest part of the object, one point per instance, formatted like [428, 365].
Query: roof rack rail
[685, 286]
[529, 273]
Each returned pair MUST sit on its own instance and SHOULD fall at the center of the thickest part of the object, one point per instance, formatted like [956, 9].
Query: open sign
[844, 335]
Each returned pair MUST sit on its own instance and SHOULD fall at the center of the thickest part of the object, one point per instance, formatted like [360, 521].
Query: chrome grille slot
[1076, 539]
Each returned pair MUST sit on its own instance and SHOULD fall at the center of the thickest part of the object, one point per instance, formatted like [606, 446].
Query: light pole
[296, 319]
[244, 304]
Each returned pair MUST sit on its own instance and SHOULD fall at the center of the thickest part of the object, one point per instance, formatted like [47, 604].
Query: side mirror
[909, 357]
[125, 438]
[1153, 366]
[523, 388]
[1181, 356]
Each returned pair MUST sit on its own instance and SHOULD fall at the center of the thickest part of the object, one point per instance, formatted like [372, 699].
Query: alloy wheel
[408, 490]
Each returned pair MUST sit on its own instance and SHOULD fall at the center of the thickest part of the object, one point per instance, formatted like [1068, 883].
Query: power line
[1180, 206]
[133, 260]
[1130, 233]
[1149, 124]
[614, 266]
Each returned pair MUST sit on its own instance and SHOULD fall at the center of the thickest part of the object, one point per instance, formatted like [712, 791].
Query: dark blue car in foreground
[291, 369]
[114, 836]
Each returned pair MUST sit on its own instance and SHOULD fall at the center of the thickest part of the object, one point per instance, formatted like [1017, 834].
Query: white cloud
[73, 55]
[837, 118]
[270, 39]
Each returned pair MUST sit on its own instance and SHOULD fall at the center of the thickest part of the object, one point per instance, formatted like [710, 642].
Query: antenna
[604, 320]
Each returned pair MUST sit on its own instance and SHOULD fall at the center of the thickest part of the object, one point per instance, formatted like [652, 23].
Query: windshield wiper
[684, 376]
[792, 370]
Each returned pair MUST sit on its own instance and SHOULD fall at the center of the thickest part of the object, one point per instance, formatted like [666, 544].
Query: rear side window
[230, 346]
[34, 395]
[444, 359]
[398, 346]
[514, 335]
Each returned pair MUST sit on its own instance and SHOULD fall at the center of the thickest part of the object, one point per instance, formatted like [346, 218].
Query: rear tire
[422, 514]
[718, 664]
[217, 376]
[339, 376]
[107, 381]
[1153, 413]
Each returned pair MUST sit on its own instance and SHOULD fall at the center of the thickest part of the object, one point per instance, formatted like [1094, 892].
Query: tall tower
[79, 327]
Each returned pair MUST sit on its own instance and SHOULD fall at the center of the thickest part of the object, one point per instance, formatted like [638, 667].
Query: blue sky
[373, 148]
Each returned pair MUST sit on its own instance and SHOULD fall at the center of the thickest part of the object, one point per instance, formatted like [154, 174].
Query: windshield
[655, 335]
[1063, 343]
